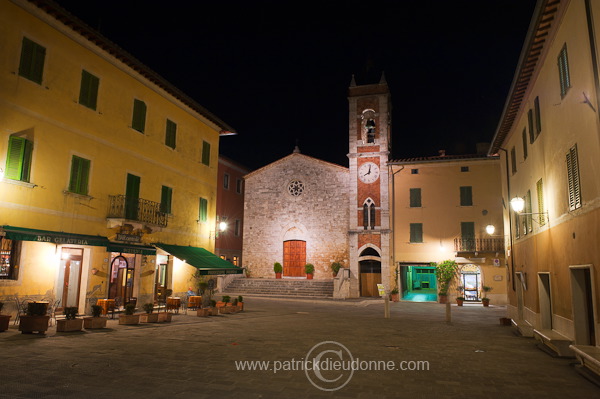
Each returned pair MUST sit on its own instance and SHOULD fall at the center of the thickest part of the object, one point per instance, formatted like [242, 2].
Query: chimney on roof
[442, 153]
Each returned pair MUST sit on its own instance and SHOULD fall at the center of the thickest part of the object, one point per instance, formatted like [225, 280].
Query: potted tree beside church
[310, 271]
[278, 269]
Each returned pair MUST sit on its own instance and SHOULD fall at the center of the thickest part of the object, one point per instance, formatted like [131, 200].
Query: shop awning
[205, 261]
[54, 237]
[130, 249]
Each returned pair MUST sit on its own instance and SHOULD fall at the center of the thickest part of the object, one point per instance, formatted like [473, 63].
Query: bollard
[448, 313]
[387, 307]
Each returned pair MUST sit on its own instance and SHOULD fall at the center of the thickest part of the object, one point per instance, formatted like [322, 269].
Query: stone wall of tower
[319, 215]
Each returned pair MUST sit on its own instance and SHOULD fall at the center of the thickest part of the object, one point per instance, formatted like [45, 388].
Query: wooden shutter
[80, 170]
[206, 153]
[466, 196]
[538, 116]
[467, 232]
[416, 232]
[88, 93]
[540, 197]
[573, 179]
[513, 160]
[563, 71]
[138, 121]
[524, 143]
[18, 160]
[171, 134]
[165, 199]
[203, 214]
[530, 124]
[132, 196]
[415, 197]
[31, 65]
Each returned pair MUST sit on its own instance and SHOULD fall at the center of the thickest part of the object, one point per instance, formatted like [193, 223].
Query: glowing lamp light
[222, 226]
[490, 229]
[517, 204]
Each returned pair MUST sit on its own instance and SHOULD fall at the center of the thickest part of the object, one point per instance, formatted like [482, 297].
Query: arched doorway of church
[294, 258]
[369, 263]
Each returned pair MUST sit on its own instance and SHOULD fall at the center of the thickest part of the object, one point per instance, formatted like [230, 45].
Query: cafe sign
[53, 237]
[129, 237]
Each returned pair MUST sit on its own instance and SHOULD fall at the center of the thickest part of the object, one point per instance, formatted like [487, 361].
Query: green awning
[130, 249]
[205, 261]
[54, 237]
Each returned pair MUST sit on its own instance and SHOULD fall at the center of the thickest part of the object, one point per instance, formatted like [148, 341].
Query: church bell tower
[369, 226]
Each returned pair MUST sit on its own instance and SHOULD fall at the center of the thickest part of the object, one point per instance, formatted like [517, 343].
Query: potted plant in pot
[214, 311]
[148, 317]
[204, 310]
[128, 317]
[335, 268]
[36, 318]
[395, 295]
[96, 321]
[460, 300]
[70, 322]
[4, 319]
[240, 303]
[445, 272]
[278, 269]
[223, 308]
[309, 269]
[485, 300]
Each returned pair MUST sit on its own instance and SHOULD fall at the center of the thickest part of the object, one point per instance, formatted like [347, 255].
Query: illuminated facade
[548, 141]
[100, 158]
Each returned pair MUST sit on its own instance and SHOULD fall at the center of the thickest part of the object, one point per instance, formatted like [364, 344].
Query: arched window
[369, 214]
[370, 125]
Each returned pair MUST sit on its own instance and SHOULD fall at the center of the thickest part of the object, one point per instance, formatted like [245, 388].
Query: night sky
[278, 71]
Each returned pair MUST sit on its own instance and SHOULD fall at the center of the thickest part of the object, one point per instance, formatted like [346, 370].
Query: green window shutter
[466, 196]
[563, 71]
[467, 233]
[138, 121]
[540, 196]
[18, 160]
[80, 174]
[88, 92]
[538, 116]
[132, 197]
[203, 214]
[171, 134]
[513, 160]
[416, 232]
[31, 65]
[530, 124]
[573, 179]
[415, 197]
[524, 143]
[206, 153]
[165, 199]
[528, 218]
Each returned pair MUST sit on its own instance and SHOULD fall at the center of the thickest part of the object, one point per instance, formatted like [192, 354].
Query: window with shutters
[31, 65]
[513, 160]
[80, 175]
[203, 213]
[466, 196]
[538, 116]
[138, 120]
[238, 186]
[530, 124]
[18, 159]
[88, 92]
[166, 197]
[573, 179]
[171, 134]
[540, 198]
[416, 232]
[238, 228]
[226, 181]
[524, 143]
[563, 71]
[206, 153]
[467, 236]
[527, 217]
[415, 197]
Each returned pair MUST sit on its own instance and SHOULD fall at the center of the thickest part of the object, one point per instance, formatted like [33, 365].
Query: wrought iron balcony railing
[136, 209]
[479, 244]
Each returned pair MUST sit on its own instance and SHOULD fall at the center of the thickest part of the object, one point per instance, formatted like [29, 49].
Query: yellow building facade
[441, 209]
[548, 140]
[100, 158]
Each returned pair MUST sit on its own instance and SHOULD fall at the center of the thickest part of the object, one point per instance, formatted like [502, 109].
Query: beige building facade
[442, 207]
[548, 140]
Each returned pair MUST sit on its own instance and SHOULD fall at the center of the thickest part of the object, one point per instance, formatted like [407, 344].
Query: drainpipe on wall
[593, 54]
[397, 276]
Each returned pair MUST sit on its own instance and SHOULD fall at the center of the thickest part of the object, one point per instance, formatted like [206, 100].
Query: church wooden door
[294, 258]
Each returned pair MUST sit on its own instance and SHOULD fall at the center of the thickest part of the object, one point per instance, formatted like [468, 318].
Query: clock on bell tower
[369, 226]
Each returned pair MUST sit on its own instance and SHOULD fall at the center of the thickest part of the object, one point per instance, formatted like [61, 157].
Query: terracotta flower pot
[277, 275]
[485, 301]
[149, 318]
[309, 276]
[395, 297]
[165, 317]
[69, 325]
[459, 302]
[129, 319]
[203, 312]
[90, 323]
[4, 320]
[443, 298]
[29, 324]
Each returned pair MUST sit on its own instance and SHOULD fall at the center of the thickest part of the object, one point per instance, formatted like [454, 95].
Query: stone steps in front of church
[281, 287]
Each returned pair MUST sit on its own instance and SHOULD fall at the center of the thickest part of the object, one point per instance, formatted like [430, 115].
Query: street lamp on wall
[518, 204]
[490, 229]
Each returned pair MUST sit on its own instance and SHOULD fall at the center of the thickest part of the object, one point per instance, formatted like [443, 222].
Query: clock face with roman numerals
[368, 172]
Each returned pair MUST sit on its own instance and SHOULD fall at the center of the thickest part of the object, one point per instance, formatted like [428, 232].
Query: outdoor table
[107, 305]
[173, 303]
[194, 301]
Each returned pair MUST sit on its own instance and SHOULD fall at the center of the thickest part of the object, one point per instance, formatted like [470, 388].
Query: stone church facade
[301, 210]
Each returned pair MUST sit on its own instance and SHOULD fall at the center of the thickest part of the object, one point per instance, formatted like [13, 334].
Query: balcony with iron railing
[479, 244]
[136, 210]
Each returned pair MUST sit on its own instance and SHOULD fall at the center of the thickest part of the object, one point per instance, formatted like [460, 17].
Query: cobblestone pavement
[194, 357]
